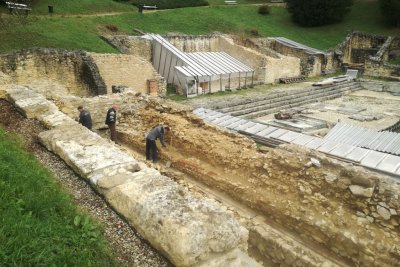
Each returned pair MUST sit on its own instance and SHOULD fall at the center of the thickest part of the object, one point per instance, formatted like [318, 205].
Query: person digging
[157, 132]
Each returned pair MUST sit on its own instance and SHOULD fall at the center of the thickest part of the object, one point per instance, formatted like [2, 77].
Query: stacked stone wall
[381, 69]
[132, 45]
[394, 49]
[310, 65]
[195, 43]
[73, 69]
[267, 69]
[129, 70]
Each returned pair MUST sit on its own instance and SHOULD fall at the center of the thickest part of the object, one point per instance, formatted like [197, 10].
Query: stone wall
[359, 46]
[268, 68]
[128, 70]
[310, 64]
[373, 51]
[132, 45]
[195, 43]
[75, 70]
[382, 69]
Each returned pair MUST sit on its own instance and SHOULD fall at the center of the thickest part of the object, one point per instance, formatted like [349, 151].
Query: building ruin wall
[195, 43]
[132, 45]
[381, 69]
[129, 70]
[75, 70]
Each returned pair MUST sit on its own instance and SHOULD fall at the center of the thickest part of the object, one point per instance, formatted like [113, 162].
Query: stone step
[282, 95]
[279, 100]
[296, 101]
[293, 102]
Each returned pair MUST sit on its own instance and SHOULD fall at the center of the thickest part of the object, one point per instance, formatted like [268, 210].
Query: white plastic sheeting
[188, 70]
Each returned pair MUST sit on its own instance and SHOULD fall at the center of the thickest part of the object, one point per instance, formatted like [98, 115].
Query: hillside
[79, 24]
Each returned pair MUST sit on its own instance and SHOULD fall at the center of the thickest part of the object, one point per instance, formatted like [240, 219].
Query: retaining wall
[75, 70]
[128, 70]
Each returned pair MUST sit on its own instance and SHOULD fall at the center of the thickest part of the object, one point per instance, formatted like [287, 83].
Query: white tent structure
[199, 72]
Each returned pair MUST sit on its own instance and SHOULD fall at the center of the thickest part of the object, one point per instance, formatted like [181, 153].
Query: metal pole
[239, 80]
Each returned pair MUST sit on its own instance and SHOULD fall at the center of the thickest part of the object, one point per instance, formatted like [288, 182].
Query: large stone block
[84, 150]
[185, 228]
[56, 118]
[28, 102]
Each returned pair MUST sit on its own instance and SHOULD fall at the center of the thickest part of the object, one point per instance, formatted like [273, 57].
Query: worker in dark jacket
[157, 132]
[111, 120]
[84, 117]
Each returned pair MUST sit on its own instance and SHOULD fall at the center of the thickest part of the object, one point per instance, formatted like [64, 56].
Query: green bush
[390, 10]
[264, 10]
[168, 4]
[318, 12]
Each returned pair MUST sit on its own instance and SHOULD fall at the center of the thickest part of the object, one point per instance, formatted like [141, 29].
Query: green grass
[39, 225]
[82, 32]
[63, 7]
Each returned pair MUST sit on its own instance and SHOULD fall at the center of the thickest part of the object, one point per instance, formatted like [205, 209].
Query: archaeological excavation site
[279, 154]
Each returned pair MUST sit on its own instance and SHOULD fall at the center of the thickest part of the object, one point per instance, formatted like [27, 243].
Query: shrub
[112, 28]
[390, 10]
[318, 12]
[168, 4]
[264, 10]
[253, 32]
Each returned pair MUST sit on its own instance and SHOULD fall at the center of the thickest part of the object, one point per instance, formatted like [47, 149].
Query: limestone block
[187, 229]
[28, 102]
[361, 191]
[56, 118]
[84, 150]
[235, 258]
[115, 175]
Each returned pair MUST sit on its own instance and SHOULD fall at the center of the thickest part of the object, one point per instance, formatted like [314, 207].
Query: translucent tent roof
[204, 64]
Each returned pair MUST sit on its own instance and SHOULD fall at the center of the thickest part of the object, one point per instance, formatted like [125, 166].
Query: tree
[318, 12]
[391, 11]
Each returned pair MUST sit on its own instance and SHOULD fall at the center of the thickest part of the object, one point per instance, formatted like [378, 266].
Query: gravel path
[127, 245]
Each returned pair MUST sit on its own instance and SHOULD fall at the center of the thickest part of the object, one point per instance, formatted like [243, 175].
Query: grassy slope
[39, 225]
[82, 31]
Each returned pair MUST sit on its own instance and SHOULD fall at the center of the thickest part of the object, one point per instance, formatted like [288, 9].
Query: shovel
[169, 161]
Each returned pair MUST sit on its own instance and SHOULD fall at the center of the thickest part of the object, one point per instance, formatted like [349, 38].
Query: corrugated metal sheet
[387, 142]
[272, 136]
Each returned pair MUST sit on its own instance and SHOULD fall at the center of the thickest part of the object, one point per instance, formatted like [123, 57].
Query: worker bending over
[157, 132]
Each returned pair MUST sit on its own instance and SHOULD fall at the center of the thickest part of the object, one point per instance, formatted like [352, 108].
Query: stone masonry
[128, 70]
[75, 70]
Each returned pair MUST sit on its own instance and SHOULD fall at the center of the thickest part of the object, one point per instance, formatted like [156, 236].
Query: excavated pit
[311, 205]
[301, 208]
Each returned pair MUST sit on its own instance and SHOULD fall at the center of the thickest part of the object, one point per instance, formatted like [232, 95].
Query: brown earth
[281, 183]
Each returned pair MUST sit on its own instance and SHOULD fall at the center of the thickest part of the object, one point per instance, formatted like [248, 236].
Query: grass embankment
[82, 32]
[39, 225]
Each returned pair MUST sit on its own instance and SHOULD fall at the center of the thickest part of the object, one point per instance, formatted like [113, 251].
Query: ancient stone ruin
[218, 198]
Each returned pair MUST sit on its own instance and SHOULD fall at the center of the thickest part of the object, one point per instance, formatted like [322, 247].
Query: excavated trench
[301, 208]
[297, 213]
